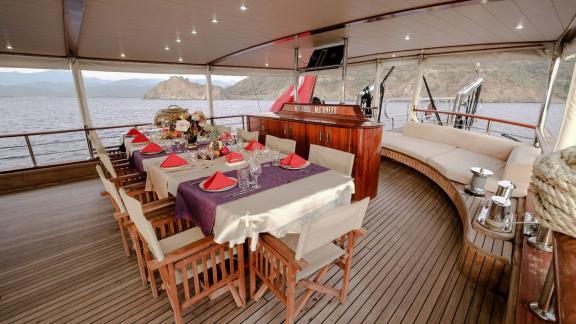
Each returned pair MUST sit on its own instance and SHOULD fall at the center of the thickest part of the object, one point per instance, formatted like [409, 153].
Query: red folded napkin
[234, 157]
[293, 161]
[173, 161]
[253, 145]
[140, 139]
[225, 136]
[152, 148]
[133, 132]
[218, 181]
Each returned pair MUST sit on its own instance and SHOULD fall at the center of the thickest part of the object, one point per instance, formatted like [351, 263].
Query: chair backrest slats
[336, 160]
[282, 145]
[247, 136]
[105, 159]
[96, 143]
[331, 225]
[143, 225]
[111, 189]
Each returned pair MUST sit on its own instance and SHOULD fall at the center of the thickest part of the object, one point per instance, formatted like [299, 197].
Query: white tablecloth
[278, 211]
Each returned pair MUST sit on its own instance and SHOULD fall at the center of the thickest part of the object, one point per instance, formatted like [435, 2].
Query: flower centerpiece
[197, 126]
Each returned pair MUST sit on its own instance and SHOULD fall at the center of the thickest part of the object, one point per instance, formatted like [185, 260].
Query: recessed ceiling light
[122, 55]
[214, 20]
[194, 32]
[166, 48]
[267, 65]
[9, 47]
[519, 26]
[243, 7]
[407, 37]
[178, 40]
[299, 55]
[393, 54]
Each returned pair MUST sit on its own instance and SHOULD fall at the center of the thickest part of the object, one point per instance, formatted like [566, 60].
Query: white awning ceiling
[141, 29]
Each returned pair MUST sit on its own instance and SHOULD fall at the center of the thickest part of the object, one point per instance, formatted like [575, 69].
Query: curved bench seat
[484, 259]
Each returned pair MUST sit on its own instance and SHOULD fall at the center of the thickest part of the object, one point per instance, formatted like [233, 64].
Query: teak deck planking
[62, 261]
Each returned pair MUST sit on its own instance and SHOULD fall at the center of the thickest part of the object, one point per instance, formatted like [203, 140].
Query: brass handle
[327, 137]
[285, 130]
[320, 136]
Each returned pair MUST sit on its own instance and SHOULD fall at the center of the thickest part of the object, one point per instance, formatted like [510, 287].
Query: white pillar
[80, 93]
[417, 89]
[554, 64]
[209, 91]
[296, 73]
[567, 135]
[344, 72]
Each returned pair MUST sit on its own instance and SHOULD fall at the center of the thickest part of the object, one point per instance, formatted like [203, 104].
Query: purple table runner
[138, 158]
[200, 206]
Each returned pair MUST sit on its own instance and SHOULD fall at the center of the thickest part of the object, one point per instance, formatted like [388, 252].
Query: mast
[567, 135]
[209, 92]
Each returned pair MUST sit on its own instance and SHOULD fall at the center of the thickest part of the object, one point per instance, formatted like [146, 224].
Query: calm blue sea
[19, 115]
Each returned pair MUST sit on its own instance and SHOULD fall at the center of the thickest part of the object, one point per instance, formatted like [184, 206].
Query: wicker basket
[169, 114]
[554, 187]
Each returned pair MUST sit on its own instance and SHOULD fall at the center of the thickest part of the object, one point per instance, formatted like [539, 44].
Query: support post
[417, 88]
[377, 81]
[567, 135]
[296, 73]
[209, 93]
[80, 93]
[552, 73]
[344, 72]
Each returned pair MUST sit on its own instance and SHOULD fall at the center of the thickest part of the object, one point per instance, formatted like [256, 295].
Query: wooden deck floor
[62, 261]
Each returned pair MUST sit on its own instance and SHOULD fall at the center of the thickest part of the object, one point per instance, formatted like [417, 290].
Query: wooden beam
[73, 12]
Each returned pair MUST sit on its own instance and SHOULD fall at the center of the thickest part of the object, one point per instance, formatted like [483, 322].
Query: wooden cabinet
[358, 137]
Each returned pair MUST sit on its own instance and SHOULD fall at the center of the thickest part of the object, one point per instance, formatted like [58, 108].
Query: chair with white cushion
[282, 264]
[282, 145]
[113, 153]
[336, 160]
[188, 261]
[223, 129]
[247, 136]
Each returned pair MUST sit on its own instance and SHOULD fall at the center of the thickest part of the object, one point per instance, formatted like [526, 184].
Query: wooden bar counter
[341, 127]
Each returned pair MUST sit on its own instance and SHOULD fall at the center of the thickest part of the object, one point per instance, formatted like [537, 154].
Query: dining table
[286, 199]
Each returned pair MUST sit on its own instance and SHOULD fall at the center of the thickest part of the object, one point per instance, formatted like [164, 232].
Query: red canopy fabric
[305, 91]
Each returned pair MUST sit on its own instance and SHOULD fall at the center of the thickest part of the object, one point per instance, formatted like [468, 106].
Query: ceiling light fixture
[194, 32]
[166, 48]
[178, 40]
[393, 54]
[180, 60]
[407, 37]
[122, 55]
[9, 47]
[267, 65]
[243, 7]
[519, 26]
[214, 20]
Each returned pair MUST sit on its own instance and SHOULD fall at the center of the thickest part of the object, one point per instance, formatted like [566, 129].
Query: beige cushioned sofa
[453, 152]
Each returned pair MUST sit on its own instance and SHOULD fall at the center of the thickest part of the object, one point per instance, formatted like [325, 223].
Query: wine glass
[256, 171]
[192, 157]
[240, 143]
[265, 155]
[211, 153]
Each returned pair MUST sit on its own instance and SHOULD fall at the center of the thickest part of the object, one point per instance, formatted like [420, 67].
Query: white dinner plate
[307, 164]
[201, 185]
[151, 153]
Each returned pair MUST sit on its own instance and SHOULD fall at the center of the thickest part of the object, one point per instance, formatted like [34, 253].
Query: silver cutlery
[238, 193]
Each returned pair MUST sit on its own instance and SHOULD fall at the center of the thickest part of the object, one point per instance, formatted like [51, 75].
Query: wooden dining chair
[330, 158]
[115, 169]
[282, 264]
[282, 145]
[223, 129]
[246, 135]
[113, 153]
[192, 266]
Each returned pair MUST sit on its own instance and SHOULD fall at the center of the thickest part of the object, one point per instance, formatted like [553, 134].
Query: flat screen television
[327, 56]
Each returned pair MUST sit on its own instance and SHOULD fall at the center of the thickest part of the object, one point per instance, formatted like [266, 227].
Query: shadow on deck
[62, 260]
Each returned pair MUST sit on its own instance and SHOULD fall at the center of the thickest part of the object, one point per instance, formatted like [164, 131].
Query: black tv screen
[326, 56]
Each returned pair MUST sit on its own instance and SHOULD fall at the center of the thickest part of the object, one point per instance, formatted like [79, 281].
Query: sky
[123, 76]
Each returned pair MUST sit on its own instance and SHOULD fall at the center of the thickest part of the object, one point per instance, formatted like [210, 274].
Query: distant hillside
[180, 88]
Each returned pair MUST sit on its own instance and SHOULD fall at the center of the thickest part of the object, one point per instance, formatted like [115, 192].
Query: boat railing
[394, 121]
[65, 146]
[485, 124]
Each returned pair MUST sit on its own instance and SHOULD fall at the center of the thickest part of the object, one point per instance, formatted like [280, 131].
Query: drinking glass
[275, 158]
[192, 157]
[211, 153]
[168, 146]
[203, 153]
[240, 143]
[256, 171]
[243, 178]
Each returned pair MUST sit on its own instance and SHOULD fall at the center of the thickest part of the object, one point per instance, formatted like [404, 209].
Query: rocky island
[180, 88]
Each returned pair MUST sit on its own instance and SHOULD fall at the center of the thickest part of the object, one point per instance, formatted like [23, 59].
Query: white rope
[554, 187]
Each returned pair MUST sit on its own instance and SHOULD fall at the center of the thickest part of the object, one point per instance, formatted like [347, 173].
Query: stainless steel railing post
[30, 151]
[544, 307]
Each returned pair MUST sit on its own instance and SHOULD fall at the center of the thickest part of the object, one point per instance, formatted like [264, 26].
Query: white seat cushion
[181, 239]
[519, 168]
[317, 258]
[456, 164]
[418, 148]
